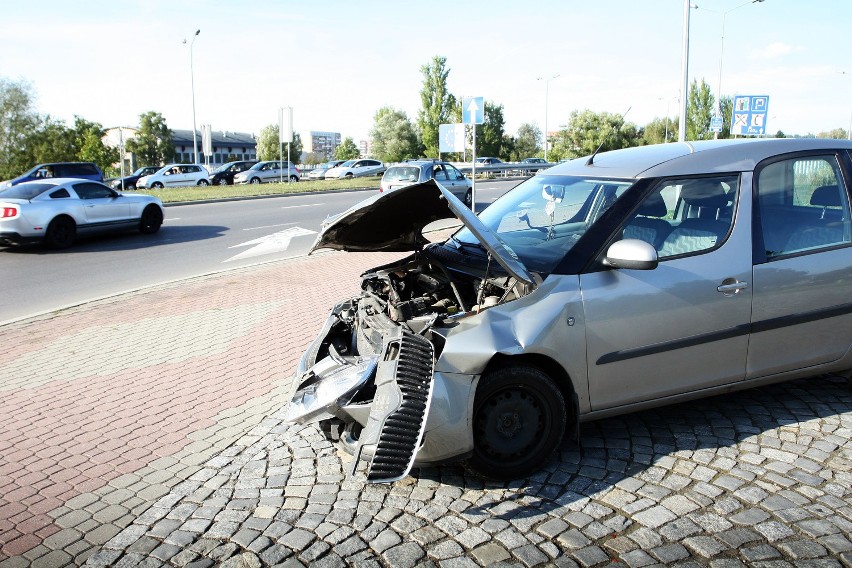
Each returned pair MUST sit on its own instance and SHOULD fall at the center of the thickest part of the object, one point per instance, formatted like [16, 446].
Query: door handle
[731, 286]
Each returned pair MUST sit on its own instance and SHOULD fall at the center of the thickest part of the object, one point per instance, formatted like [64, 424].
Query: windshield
[223, 168]
[545, 216]
[347, 163]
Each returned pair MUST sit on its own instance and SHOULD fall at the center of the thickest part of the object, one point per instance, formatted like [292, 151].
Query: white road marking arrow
[276, 242]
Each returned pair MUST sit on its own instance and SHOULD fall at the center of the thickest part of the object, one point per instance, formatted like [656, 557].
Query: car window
[25, 190]
[60, 194]
[403, 173]
[802, 205]
[453, 173]
[92, 191]
[439, 174]
[685, 216]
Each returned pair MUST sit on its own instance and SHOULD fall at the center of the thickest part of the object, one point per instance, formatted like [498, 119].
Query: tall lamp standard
[192, 83]
[722, 53]
[546, 101]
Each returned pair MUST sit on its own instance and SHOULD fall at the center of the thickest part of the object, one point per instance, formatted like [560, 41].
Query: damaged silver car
[604, 285]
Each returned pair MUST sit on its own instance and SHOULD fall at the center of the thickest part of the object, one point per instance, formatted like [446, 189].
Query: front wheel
[468, 199]
[349, 175]
[157, 185]
[519, 418]
[60, 233]
[294, 178]
[222, 181]
[255, 180]
[152, 219]
[203, 182]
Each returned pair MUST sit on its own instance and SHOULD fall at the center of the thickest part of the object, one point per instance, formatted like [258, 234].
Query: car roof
[684, 158]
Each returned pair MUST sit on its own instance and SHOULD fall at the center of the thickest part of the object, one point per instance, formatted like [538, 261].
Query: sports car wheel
[152, 219]
[60, 233]
[519, 418]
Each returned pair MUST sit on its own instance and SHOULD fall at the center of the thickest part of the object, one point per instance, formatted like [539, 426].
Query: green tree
[587, 131]
[18, 120]
[437, 104]
[393, 138]
[527, 143]
[89, 141]
[727, 108]
[837, 133]
[489, 134]
[152, 144]
[268, 145]
[699, 109]
[659, 131]
[347, 150]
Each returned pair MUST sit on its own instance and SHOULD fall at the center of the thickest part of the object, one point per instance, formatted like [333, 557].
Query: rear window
[25, 190]
[402, 173]
[71, 170]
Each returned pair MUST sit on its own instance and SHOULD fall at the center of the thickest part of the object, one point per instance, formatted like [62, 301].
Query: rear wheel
[152, 219]
[468, 199]
[60, 233]
[203, 182]
[519, 418]
[294, 178]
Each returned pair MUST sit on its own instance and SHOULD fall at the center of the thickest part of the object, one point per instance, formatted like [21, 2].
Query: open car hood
[394, 221]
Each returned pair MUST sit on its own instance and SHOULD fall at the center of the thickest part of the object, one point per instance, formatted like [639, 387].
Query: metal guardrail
[505, 168]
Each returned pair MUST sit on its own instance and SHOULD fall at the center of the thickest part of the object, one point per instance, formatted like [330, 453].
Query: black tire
[221, 181]
[349, 175]
[468, 199]
[60, 233]
[152, 219]
[255, 180]
[203, 182]
[157, 185]
[294, 178]
[519, 418]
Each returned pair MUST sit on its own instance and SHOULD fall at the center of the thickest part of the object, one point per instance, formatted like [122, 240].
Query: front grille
[402, 431]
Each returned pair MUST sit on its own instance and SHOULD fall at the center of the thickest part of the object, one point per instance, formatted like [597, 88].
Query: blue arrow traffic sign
[473, 110]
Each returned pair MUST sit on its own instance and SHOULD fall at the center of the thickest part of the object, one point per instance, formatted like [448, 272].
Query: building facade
[321, 143]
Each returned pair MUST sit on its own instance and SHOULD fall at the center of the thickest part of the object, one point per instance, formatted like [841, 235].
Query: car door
[271, 172]
[100, 204]
[802, 275]
[682, 326]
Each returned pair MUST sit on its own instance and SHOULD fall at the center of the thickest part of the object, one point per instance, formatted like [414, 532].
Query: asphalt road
[195, 239]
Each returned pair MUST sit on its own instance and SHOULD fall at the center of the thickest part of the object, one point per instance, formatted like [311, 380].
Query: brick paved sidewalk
[106, 406]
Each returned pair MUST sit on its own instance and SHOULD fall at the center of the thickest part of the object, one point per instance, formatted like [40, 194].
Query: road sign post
[473, 112]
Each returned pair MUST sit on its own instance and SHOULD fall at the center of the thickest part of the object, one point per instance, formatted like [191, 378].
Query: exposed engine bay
[367, 378]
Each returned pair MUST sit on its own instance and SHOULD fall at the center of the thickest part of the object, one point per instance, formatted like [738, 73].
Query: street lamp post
[684, 73]
[546, 102]
[192, 83]
[722, 53]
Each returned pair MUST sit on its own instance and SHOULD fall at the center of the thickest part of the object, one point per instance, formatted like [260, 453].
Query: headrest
[653, 206]
[826, 196]
[704, 193]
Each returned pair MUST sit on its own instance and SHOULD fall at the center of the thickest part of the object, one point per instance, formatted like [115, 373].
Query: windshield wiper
[462, 244]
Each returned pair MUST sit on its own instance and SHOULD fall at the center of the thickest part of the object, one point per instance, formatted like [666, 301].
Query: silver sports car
[54, 211]
[603, 285]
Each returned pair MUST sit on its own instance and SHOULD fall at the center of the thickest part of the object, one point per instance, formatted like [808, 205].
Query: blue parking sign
[749, 115]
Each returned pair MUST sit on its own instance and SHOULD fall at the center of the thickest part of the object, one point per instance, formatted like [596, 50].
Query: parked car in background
[609, 284]
[488, 161]
[79, 170]
[55, 211]
[224, 174]
[320, 171]
[530, 162]
[356, 168]
[175, 175]
[129, 182]
[271, 171]
[415, 171]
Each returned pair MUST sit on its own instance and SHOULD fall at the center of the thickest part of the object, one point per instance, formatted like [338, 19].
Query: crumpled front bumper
[394, 420]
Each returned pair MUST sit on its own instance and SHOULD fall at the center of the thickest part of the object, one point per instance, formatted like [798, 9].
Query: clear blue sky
[337, 62]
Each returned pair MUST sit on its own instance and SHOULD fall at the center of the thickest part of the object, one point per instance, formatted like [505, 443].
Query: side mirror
[631, 253]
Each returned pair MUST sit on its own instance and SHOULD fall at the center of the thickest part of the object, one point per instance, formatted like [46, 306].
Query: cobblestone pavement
[147, 430]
